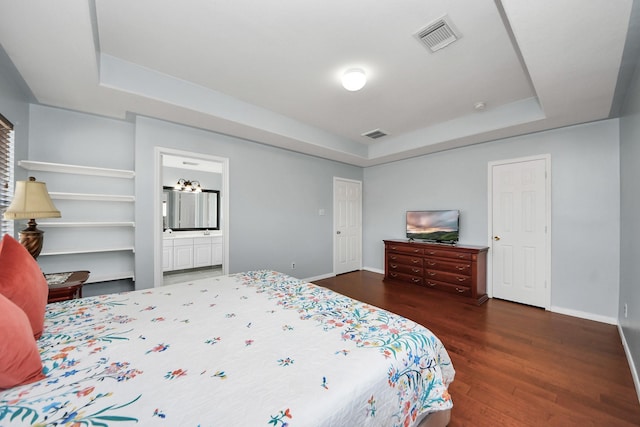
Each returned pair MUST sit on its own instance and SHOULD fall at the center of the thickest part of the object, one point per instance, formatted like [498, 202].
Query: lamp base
[31, 238]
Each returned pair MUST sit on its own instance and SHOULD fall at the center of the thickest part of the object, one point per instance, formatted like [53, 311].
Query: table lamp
[31, 200]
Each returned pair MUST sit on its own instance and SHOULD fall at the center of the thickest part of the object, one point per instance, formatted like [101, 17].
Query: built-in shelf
[75, 169]
[92, 197]
[113, 257]
[108, 277]
[88, 224]
[87, 251]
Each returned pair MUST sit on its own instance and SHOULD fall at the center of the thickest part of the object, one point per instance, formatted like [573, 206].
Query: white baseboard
[373, 270]
[584, 315]
[632, 366]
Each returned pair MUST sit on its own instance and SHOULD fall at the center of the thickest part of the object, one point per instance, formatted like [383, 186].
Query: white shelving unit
[85, 238]
[109, 277]
[87, 224]
[87, 251]
[75, 169]
[92, 197]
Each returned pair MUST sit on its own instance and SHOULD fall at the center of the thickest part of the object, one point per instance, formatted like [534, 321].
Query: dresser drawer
[404, 259]
[461, 267]
[405, 249]
[447, 287]
[455, 279]
[405, 277]
[444, 253]
[404, 268]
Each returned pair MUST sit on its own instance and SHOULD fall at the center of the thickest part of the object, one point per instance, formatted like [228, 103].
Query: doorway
[520, 230]
[347, 225]
[222, 167]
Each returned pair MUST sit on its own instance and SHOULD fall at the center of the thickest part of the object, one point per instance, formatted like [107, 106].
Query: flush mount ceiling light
[354, 79]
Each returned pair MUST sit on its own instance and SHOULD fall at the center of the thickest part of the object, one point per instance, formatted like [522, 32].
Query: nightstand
[66, 286]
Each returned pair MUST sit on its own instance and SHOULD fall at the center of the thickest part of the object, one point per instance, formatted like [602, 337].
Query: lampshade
[354, 79]
[31, 200]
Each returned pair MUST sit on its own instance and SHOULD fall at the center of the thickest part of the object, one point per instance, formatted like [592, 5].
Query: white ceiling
[269, 70]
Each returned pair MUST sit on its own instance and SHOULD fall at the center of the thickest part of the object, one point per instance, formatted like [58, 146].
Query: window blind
[6, 173]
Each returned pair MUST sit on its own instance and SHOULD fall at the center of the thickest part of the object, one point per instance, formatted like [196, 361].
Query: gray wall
[274, 200]
[63, 136]
[629, 212]
[585, 206]
[14, 105]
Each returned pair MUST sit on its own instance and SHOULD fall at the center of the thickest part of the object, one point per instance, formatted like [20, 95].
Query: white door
[202, 253]
[182, 257]
[347, 224]
[519, 217]
[167, 256]
[216, 251]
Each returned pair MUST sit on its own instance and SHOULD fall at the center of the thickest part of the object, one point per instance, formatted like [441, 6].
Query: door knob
[338, 232]
[496, 238]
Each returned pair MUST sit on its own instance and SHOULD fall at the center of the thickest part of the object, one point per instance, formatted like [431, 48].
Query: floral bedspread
[250, 349]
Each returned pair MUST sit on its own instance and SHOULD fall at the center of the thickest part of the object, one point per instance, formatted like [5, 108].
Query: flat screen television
[434, 226]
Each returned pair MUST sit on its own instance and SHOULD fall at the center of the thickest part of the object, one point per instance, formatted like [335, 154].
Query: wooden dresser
[458, 270]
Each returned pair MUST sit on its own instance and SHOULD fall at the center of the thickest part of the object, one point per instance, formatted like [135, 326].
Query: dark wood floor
[515, 365]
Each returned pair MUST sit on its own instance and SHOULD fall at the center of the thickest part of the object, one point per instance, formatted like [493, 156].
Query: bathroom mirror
[184, 211]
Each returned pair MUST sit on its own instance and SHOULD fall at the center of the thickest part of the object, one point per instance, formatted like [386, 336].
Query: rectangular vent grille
[437, 34]
[375, 134]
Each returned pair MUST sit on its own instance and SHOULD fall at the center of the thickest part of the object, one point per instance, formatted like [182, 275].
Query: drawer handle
[432, 253]
[393, 265]
[460, 290]
[393, 257]
[394, 247]
[416, 250]
[462, 267]
[430, 273]
[415, 261]
[415, 280]
[415, 270]
[461, 279]
[431, 263]
[460, 256]
[431, 284]
[393, 274]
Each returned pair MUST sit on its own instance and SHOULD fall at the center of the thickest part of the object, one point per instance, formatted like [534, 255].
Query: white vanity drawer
[202, 240]
[182, 242]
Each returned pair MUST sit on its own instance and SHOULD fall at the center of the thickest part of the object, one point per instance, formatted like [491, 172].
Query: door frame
[157, 206]
[547, 278]
[334, 238]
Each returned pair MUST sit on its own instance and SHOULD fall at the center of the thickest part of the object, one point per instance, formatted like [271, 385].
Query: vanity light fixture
[354, 79]
[187, 186]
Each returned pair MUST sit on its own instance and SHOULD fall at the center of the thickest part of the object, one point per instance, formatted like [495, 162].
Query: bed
[248, 349]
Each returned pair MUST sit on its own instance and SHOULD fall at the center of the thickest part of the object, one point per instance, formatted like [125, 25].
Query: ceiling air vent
[375, 134]
[438, 34]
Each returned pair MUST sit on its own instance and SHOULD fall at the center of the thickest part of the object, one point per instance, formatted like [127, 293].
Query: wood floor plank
[515, 365]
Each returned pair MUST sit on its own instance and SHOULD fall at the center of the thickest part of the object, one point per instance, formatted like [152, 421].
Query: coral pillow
[22, 281]
[19, 357]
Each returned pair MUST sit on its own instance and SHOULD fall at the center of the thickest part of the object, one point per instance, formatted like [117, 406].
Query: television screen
[434, 226]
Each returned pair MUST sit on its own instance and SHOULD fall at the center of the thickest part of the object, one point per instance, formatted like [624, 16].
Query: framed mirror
[185, 211]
